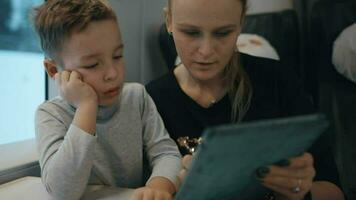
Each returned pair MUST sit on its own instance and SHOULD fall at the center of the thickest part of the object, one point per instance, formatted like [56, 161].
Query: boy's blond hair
[56, 20]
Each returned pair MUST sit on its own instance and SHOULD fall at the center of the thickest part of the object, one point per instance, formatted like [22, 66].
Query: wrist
[85, 117]
[88, 104]
[161, 183]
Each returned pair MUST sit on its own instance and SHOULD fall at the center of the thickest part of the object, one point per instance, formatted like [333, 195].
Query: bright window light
[22, 76]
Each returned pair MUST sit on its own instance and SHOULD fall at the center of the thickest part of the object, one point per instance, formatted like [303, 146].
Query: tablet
[225, 162]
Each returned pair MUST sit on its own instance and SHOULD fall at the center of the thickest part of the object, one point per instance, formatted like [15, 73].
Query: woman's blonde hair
[239, 84]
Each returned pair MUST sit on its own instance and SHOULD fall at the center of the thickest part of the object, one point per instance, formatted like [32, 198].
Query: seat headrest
[344, 53]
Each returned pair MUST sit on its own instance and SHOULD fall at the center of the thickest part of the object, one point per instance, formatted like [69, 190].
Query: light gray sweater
[127, 134]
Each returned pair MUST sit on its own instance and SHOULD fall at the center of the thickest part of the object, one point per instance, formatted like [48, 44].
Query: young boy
[100, 130]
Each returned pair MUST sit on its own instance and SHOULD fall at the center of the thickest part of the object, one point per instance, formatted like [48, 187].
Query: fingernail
[262, 172]
[283, 163]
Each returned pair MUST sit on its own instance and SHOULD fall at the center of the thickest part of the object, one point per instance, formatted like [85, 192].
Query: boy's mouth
[112, 92]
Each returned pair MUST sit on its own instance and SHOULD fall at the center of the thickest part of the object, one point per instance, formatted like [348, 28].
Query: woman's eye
[222, 33]
[191, 33]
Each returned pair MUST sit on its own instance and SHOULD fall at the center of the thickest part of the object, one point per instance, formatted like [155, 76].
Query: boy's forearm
[66, 173]
[66, 163]
[162, 183]
[85, 117]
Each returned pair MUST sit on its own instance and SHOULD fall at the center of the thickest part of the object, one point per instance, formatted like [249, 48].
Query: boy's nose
[111, 72]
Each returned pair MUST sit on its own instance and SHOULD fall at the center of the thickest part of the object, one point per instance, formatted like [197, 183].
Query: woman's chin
[206, 75]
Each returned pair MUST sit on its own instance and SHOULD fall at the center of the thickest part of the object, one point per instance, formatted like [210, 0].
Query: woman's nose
[206, 48]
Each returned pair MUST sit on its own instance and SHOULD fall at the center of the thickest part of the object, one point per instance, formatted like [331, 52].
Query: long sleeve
[65, 154]
[161, 150]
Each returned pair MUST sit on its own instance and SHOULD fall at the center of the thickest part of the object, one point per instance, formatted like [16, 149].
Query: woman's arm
[325, 190]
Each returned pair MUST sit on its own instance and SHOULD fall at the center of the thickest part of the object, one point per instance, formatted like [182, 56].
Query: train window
[22, 76]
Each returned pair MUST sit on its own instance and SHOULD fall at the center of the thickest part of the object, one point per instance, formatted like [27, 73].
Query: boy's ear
[168, 18]
[51, 67]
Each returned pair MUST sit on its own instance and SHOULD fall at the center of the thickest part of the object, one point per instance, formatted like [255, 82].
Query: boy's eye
[91, 66]
[118, 57]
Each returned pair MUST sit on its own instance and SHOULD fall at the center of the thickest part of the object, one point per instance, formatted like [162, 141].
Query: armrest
[24, 188]
[18, 160]
[32, 188]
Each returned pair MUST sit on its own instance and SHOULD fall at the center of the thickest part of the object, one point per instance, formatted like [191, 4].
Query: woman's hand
[291, 179]
[74, 89]
[186, 164]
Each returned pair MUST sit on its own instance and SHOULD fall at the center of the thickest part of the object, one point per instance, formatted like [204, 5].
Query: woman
[215, 84]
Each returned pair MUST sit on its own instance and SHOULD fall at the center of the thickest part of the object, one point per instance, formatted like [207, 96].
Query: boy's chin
[109, 102]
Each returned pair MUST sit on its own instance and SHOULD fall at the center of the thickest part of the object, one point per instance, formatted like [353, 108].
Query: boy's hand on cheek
[74, 90]
[82, 96]
[149, 193]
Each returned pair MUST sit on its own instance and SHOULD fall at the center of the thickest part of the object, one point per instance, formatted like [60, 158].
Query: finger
[182, 175]
[301, 161]
[158, 196]
[186, 161]
[307, 172]
[75, 76]
[281, 182]
[65, 76]
[148, 195]
[288, 183]
[57, 78]
[163, 196]
[287, 193]
[167, 196]
[277, 189]
[284, 192]
[137, 195]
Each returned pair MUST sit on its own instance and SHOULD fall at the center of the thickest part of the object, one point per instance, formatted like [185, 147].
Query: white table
[32, 188]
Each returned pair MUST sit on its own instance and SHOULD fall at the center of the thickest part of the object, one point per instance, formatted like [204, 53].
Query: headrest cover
[256, 45]
[344, 53]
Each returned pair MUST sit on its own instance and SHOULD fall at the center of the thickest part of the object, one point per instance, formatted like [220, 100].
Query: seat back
[336, 94]
[281, 29]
